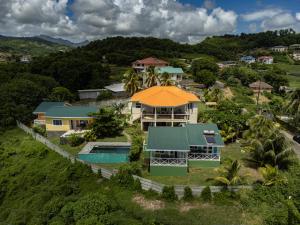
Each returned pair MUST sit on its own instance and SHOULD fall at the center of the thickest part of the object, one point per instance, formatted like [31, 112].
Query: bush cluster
[40, 130]
[206, 194]
[75, 140]
[168, 193]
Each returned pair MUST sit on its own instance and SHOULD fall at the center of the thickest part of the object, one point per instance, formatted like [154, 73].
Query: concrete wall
[66, 124]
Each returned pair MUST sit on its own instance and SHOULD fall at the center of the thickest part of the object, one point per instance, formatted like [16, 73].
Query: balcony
[204, 156]
[165, 117]
[155, 161]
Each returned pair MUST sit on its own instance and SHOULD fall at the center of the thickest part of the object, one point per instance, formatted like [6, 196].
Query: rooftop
[260, 84]
[181, 138]
[119, 87]
[169, 69]
[168, 96]
[44, 106]
[71, 111]
[151, 61]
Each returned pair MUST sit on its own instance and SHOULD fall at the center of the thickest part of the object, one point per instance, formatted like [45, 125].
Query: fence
[145, 183]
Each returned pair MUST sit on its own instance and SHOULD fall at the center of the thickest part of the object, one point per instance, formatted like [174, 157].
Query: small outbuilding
[117, 90]
[260, 86]
[91, 94]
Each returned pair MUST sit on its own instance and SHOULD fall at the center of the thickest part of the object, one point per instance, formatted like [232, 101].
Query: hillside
[32, 46]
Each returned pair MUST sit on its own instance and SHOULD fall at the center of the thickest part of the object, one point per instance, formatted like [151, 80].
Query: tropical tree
[166, 80]
[152, 77]
[293, 106]
[229, 174]
[131, 81]
[215, 95]
[61, 94]
[273, 150]
[271, 176]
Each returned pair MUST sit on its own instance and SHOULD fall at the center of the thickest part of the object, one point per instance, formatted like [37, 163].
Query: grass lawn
[117, 72]
[199, 176]
[293, 74]
[294, 81]
[75, 150]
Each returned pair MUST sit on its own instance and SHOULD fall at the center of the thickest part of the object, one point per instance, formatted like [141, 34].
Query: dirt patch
[187, 206]
[228, 93]
[148, 204]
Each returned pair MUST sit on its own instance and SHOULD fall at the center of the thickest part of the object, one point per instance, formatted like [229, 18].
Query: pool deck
[90, 145]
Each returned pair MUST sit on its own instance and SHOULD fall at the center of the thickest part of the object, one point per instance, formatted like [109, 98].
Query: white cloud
[260, 15]
[298, 16]
[285, 20]
[101, 18]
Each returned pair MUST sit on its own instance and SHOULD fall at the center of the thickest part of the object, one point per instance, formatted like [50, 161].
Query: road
[296, 146]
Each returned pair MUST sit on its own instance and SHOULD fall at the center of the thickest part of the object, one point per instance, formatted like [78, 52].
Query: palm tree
[152, 77]
[271, 176]
[131, 81]
[166, 80]
[229, 174]
[260, 127]
[294, 105]
[274, 151]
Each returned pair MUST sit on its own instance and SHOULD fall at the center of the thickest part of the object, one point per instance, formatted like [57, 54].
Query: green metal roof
[170, 69]
[71, 111]
[167, 138]
[44, 106]
[181, 138]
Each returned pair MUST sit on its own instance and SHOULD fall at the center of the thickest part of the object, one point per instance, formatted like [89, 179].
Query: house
[170, 151]
[117, 90]
[59, 117]
[89, 93]
[260, 86]
[176, 73]
[296, 55]
[142, 64]
[279, 48]
[247, 59]
[226, 64]
[164, 106]
[265, 59]
[295, 47]
[25, 59]
[218, 84]
[189, 83]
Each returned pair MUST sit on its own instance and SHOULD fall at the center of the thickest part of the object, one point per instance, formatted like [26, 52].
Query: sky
[188, 21]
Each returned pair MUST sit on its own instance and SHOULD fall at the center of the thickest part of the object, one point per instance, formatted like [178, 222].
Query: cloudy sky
[180, 20]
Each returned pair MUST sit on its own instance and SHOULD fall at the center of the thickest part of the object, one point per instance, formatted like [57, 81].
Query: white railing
[42, 122]
[168, 161]
[203, 156]
[165, 116]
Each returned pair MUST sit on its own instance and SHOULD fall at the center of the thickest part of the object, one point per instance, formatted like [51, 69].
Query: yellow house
[59, 117]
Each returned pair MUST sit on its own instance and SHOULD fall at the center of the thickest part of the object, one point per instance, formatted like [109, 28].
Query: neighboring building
[117, 90]
[265, 59]
[279, 48]
[143, 64]
[176, 73]
[247, 59]
[189, 83]
[25, 59]
[59, 117]
[164, 106]
[260, 86]
[219, 84]
[41, 110]
[296, 55]
[295, 47]
[170, 151]
[89, 93]
[226, 64]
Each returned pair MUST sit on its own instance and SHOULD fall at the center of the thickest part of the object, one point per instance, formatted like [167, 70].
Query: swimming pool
[98, 152]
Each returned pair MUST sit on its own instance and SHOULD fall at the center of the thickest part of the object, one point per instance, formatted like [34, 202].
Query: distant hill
[33, 46]
[62, 41]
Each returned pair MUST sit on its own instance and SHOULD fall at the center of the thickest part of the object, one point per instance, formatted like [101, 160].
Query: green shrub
[151, 194]
[40, 130]
[123, 179]
[75, 140]
[104, 95]
[188, 194]
[90, 136]
[134, 168]
[206, 194]
[168, 193]
[136, 148]
[137, 186]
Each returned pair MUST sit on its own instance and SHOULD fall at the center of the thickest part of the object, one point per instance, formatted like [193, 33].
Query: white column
[172, 116]
[155, 116]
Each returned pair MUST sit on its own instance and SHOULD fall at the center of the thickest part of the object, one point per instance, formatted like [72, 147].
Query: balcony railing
[203, 156]
[165, 116]
[168, 161]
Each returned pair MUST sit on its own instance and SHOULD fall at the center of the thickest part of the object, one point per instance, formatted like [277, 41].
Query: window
[57, 122]
[138, 105]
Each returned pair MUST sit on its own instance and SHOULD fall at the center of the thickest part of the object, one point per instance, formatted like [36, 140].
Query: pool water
[106, 154]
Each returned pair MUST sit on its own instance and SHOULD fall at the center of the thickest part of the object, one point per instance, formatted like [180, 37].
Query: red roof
[151, 61]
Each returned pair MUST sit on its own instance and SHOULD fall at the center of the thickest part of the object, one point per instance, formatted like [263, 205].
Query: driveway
[296, 146]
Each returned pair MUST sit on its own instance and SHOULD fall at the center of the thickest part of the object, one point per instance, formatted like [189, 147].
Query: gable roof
[71, 111]
[119, 87]
[167, 96]
[247, 57]
[44, 106]
[151, 61]
[169, 69]
[260, 84]
[181, 138]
